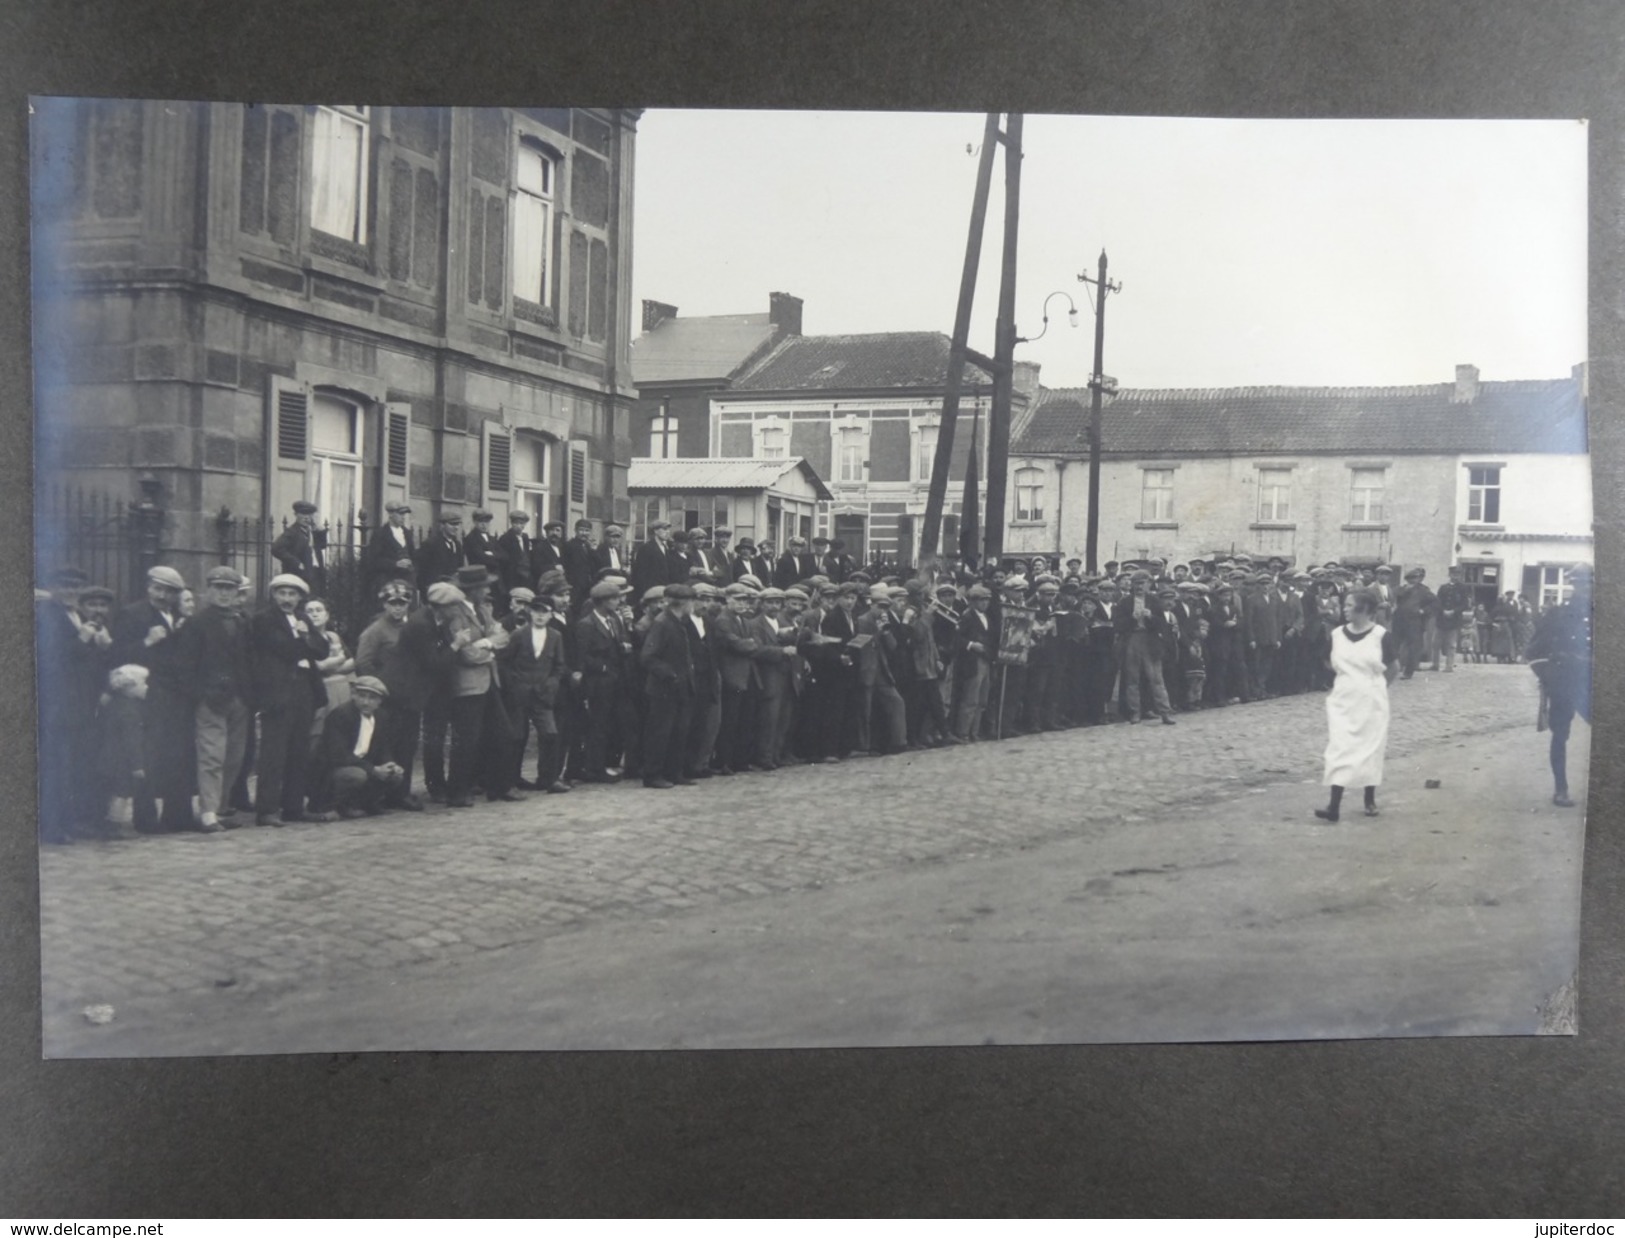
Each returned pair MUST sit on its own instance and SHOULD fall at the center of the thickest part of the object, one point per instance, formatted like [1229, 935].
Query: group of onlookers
[683, 658]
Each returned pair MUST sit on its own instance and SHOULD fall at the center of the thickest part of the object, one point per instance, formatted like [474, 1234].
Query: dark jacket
[529, 681]
[275, 653]
[579, 566]
[654, 564]
[214, 655]
[381, 559]
[516, 560]
[1157, 622]
[481, 548]
[340, 728]
[705, 653]
[667, 654]
[544, 557]
[792, 568]
[129, 631]
[296, 552]
[600, 652]
[425, 661]
[438, 559]
[740, 650]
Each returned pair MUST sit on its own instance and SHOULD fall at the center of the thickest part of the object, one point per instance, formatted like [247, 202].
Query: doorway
[852, 530]
[1484, 579]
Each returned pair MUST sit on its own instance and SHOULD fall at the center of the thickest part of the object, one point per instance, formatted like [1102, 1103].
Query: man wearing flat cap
[145, 633]
[217, 645]
[974, 647]
[1560, 655]
[1411, 608]
[603, 649]
[882, 718]
[797, 563]
[301, 548]
[515, 556]
[657, 561]
[357, 774]
[480, 546]
[392, 549]
[381, 653]
[287, 688]
[533, 672]
[73, 663]
[442, 551]
[1143, 626]
[579, 559]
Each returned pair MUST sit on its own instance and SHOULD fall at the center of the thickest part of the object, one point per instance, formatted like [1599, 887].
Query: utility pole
[1004, 350]
[942, 461]
[1097, 383]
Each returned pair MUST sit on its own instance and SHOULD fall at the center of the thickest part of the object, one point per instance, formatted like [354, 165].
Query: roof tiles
[896, 359]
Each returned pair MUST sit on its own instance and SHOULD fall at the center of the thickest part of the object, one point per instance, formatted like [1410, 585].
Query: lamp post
[1071, 317]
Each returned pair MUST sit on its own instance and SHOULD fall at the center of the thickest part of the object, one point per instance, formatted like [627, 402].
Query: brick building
[1492, 475]
[680, 363]
[252, 304]
[863, 411]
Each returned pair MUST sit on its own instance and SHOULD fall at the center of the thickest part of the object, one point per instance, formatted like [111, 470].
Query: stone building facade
[1492, 475]
[250, 304]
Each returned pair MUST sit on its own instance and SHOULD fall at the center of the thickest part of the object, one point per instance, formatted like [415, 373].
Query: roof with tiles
[1544, 415]
[699, 349]
[898, 360]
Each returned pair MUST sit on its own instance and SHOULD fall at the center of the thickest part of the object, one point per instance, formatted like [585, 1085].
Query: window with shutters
[399, 427]
[535, 174]
[292, 424]
[532, 476]
[340, 142]
[336, 442]
[578, 476]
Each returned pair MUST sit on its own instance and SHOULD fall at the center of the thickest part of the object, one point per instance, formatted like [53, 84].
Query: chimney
[784, 312]
[655, 313]
[1024, 381]
[1466, 385]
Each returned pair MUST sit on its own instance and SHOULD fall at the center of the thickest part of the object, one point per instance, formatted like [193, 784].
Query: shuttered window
[399, 427]
[499, 464]
[292, 424]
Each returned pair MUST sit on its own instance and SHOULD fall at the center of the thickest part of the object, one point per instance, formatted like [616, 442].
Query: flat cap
[604, 589]
[679, 593]
[444, 593]
[771, 594]
[654, 593]
[304, 507]
[168, 577]
[482, 514]
[978, 591]
[287, 580]
[879, 593]
[96, 593]
[794, 591]
[519, 517]
[392, 589]
[520, 596]
[398, 508]
[224, 576]
[749, 581]
[369, 683]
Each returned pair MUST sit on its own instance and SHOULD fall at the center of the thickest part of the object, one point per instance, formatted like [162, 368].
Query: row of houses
[237, 306]
[1491, 474]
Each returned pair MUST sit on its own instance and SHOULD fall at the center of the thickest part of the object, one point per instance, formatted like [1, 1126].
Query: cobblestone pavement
[269, 910]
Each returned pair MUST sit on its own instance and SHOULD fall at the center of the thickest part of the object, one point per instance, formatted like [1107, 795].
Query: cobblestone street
[203, 944]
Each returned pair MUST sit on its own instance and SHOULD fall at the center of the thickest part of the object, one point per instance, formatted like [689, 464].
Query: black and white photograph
[540, 578]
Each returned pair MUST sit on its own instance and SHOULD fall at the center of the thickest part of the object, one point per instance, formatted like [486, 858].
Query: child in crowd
[122, 751]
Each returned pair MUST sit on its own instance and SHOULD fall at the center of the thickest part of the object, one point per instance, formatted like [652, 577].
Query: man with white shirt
[390, 553]
[533, 670]
[358, 772]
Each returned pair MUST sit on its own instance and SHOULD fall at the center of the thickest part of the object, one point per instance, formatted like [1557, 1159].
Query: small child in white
[122, 762]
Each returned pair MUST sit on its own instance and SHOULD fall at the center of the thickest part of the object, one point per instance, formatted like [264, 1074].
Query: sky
[1250, 252]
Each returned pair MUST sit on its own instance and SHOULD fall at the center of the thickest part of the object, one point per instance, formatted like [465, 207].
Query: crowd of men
[686, 657]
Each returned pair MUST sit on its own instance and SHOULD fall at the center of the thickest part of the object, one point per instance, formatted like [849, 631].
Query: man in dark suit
[705, 650]
[656, 561]
[300, 549]
[391, 552]
[283, 652]
[381, 653]
[612, 552]
[703, 557]
[795, 564]
[480, 547]
[357, 774]
[516, 555]
[580, 563]
[215, 653]
[533, 669]
[146, 633]
[603, 645]
[741, 681]
[722, 550]
[442, 552]
[841, 564]
[668, 665]
[546, 553]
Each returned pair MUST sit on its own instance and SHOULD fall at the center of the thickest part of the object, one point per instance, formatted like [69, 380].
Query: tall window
[533, 225]
[927, 455]
[1029, 494]
[1484, 495]
[773, 443]
[849, 462]
[335, 453]
[1156, 496]
[1367, 490]
[663, 437]
[1274, 487]
[339, 173]
[532, 468]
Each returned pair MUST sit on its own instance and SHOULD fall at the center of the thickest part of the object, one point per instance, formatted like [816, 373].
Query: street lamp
[1071, 317]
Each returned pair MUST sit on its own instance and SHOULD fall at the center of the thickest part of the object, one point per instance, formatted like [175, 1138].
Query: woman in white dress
[1365, 660]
